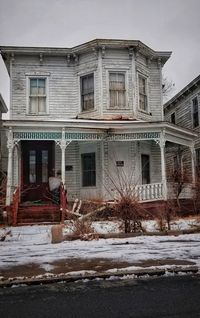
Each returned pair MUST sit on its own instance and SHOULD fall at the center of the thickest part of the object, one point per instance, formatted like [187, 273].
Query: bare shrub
[84, 230]
[166, 212]
[129, 210]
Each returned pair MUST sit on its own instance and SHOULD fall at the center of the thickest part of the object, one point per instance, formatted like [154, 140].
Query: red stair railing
[63, 202]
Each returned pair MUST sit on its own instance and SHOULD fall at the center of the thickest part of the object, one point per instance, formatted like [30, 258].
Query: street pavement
[163, 297]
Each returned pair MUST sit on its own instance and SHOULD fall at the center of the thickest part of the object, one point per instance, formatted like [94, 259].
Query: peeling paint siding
[64, 85]
[153, 75]
[183, 115]
[62, 92]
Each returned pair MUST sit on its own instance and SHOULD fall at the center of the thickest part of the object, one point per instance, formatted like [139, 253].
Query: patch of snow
[81, 273]
[47, 267]
[32, 244]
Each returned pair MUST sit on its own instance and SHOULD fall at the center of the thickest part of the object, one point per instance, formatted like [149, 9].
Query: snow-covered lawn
[32, 245]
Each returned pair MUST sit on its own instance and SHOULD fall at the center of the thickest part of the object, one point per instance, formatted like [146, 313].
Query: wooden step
[38, 214]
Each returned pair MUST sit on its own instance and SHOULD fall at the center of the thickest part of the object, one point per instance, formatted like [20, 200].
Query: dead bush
[128, 209]
[84, 230]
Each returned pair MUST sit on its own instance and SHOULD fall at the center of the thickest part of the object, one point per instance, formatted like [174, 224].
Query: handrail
[63, 202]
[15, 205]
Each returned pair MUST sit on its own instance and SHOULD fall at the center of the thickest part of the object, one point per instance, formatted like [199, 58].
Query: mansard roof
[8, 52]
[183, 93]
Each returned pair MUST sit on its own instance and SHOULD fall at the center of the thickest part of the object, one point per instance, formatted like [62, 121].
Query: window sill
[145, 112]
[88, 187]
[92, 110]
[37, 115]
[117, 108]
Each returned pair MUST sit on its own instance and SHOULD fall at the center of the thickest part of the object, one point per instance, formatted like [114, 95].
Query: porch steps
[38, 214]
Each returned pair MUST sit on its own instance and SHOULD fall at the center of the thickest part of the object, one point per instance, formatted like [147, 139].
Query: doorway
[37, 166]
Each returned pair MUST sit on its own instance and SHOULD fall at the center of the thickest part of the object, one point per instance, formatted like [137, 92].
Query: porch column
[63, 143]
[163, 164]
[10, 146]
[193, 160]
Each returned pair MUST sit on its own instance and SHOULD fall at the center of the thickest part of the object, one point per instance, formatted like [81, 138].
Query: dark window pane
[32, 166]
[145, 169]
[88, 169]
[173, 118]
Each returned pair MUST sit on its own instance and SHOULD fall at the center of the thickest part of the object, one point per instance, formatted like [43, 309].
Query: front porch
[95, 159]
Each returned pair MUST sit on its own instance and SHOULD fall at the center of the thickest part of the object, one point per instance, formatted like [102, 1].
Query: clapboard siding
[64, 84]
[183, 112]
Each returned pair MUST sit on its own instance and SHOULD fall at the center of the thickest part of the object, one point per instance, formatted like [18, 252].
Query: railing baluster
[152, 191]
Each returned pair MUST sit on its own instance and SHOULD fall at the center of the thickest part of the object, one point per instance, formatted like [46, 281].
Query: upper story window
[117, 90]
[195, 112]
[87, 92]
[37, 96]
[173, 118]
[143, 105]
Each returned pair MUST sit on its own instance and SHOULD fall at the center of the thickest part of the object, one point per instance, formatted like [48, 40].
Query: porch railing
[15, 205]
[149, 192]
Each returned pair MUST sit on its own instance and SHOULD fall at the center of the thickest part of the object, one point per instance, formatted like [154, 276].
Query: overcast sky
[169, 25]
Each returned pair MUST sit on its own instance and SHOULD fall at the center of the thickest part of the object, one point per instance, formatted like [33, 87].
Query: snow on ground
[32, 244]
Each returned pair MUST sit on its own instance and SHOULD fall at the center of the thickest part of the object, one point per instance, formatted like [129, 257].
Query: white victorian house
[92, 113]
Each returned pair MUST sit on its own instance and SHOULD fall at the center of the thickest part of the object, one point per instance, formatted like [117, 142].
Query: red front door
[37, 167]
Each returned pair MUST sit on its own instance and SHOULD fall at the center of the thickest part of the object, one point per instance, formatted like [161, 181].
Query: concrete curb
[68, 237]
[103, 275]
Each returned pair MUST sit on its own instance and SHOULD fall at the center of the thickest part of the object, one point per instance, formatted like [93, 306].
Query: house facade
[184, 110]
[92, 113]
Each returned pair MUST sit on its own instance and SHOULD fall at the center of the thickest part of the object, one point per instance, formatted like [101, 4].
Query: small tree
[167, 87]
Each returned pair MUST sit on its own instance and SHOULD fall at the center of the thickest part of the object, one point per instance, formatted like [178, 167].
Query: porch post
[10, 146]
[193, 160]
[63, 143]
[163, 164]
[63, 147]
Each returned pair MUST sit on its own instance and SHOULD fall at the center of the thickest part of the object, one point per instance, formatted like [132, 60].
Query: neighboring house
[3, 139]
[184, 110]
[93, 113]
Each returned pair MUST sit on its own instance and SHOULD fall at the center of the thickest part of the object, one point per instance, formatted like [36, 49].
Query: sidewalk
[29, 256]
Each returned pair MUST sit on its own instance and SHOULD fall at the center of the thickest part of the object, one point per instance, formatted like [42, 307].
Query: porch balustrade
[144, 192]
[149, 192]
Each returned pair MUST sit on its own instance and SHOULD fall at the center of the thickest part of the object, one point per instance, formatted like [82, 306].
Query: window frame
[28, 89]
[90, 185]
[81, 77]
[145, 77]
[193, 113]
[118, 71]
